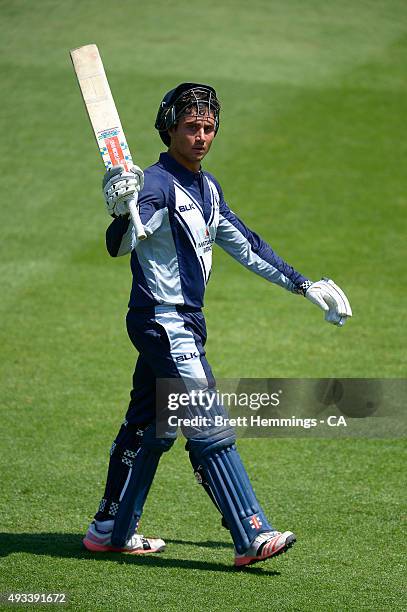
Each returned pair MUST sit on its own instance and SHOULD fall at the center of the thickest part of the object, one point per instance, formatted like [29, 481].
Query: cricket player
[184, 213]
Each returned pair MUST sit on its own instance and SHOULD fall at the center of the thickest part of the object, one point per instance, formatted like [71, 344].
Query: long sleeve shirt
[184, 213]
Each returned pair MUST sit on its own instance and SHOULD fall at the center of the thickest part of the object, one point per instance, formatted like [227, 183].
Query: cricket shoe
[265, 545]
[98, 539]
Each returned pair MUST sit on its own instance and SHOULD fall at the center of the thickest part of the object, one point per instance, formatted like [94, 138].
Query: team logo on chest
[186, 207]
[205, 241]
[185, 203]
[189, 213]
[190, 216]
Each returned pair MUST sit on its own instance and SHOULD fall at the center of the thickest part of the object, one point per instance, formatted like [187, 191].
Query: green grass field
[312, 154]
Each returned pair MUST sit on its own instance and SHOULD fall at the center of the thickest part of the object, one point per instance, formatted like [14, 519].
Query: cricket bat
[104, 118]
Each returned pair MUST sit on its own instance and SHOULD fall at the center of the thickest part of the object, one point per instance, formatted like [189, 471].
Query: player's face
[191, 139]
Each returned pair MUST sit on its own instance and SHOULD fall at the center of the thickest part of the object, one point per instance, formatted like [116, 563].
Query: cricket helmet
[183, 97]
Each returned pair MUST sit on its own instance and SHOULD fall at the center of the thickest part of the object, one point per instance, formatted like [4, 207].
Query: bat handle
[135, 217]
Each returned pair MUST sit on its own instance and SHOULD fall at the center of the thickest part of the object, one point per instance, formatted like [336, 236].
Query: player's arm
[249, 249]
[119, 236]
[118, 187]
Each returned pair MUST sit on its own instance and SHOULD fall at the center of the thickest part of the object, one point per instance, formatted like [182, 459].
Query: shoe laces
[266, 535]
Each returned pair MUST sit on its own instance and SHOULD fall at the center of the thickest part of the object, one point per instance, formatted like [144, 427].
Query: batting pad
[140, 478]
[233, 492]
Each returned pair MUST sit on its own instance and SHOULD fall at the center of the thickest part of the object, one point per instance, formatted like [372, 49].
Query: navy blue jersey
[184, 214]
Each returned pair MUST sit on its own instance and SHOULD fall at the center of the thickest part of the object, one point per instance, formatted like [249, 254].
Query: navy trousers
[170, 342]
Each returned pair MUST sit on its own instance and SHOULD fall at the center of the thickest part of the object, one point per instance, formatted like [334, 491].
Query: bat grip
[135, 217]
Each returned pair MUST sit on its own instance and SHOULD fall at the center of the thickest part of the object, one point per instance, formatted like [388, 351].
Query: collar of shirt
[193, 181]
[178, 170]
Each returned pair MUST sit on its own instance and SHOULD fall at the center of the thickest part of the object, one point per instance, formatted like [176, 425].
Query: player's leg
[128, 441]
[125, 451]
[217, 463]
[160, 336]
[155, 361]
[186, 332]
[220, 463]
[201, 479]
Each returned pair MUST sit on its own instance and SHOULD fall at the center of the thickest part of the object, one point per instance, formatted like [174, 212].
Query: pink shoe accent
[97, 541]
[94, 547]
[277, 544]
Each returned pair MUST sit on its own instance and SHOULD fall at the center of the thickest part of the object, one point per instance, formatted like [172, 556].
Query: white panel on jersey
[214, 218]
[159, 262]
[126, 244]
[190, 216]
[129, 239]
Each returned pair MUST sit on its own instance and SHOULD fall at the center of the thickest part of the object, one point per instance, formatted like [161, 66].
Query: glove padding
[119, 187]
[331, 299]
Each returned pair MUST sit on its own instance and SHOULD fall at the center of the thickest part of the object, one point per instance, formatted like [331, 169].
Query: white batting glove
[119, 187]
[331, 299]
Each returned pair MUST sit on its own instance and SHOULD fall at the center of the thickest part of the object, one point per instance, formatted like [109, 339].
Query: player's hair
[196, 101]
[187, 98]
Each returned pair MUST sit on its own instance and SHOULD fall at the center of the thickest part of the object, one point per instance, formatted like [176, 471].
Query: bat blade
[103, 116]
